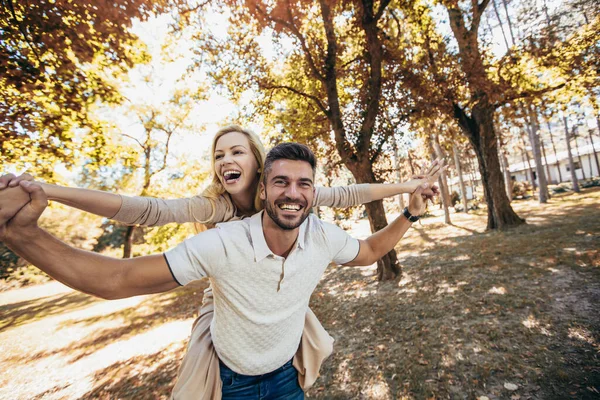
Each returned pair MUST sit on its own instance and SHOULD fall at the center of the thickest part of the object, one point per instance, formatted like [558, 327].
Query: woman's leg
[198, 376]
[315, 346]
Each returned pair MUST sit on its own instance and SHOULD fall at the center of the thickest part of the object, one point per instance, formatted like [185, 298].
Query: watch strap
[409, 216]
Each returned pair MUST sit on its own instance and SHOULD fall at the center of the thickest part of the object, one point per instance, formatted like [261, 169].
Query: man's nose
[292, 191]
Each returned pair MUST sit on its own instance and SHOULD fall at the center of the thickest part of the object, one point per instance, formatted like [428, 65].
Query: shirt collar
[259, 243]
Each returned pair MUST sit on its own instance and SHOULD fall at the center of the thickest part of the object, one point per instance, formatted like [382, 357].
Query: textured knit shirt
[150, 211]
[260, 298]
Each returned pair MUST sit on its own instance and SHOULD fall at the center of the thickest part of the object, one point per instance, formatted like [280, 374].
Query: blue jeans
[281, 384]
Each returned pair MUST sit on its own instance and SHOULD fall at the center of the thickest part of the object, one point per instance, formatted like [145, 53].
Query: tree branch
[528, 94]
[382, 5]
[300, 93]
[131, 137]
[296, 33]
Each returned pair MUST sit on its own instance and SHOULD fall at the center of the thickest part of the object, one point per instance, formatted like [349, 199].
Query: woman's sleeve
[150, 211]
[342, 196]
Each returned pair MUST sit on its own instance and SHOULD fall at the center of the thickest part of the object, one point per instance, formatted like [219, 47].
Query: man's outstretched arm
[382, 242]
[92, 273]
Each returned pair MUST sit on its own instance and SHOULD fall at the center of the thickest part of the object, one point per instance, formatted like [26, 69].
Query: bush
[454, 198]
[592, 182]
[521, 189]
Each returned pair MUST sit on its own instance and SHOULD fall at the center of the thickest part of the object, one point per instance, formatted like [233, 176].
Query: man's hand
[21, 208]
[418, 200]
[11, 201]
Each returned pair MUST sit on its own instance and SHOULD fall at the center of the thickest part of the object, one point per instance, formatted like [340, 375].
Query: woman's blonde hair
[215, 189]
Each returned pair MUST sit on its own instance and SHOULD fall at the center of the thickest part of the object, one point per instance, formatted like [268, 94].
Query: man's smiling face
[288, 192]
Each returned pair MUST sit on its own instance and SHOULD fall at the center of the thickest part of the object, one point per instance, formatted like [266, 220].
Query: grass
[476, 314]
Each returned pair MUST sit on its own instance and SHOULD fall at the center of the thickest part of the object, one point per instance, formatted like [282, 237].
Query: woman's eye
[238, 152]
[218, 156]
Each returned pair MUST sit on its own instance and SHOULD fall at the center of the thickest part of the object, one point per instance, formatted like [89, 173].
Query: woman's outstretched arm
[133, 210]
[353, 195]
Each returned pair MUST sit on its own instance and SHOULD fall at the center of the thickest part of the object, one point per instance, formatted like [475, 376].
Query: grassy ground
[502, 315]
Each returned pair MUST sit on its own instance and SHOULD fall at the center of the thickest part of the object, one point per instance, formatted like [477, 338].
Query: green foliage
[57, 59]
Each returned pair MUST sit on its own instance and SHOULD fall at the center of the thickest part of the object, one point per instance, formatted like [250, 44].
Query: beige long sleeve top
[150, 211]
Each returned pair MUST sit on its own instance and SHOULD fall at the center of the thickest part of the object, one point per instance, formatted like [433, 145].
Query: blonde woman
[237, 159]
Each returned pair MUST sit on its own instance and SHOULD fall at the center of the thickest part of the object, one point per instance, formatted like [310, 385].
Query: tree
[331, 76]
[56, 62]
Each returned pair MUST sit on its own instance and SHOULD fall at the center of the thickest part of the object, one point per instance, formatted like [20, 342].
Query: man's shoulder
[318, 227]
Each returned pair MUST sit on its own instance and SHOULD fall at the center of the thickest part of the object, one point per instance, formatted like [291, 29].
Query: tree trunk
[501, 24]
[443, 182]
[548, 176]
[571, 163]
[480, 131]
[554, 149]
[534, 138]
[398, 174]
[128, 241]
[463, 189]
[510, 28]
[388, 267]
[595, 154]
[525, 155]
[472, 171]
[506, 169]
[579, 155]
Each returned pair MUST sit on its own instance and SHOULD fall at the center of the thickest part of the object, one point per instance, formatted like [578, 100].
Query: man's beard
[283, 223]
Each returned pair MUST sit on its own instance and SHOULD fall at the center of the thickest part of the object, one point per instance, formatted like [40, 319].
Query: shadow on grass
[143, 377]
[156, 310]
[471, 314]
[24, 312]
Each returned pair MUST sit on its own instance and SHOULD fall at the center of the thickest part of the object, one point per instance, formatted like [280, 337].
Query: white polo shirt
[260, 298]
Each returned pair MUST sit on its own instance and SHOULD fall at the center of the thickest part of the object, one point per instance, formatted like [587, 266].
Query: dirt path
[502, 315]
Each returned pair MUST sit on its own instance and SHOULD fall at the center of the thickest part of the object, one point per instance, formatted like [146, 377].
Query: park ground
[476, 315]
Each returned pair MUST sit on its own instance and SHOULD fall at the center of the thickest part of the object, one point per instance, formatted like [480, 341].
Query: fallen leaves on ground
[485, 315]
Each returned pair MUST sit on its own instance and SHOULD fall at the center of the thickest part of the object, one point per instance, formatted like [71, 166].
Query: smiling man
[263, 270]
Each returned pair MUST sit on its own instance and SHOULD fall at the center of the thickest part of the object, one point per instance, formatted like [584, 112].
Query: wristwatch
[409, 216]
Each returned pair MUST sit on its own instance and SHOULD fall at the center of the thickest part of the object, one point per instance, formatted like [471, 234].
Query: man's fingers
[39, 200]
[6, 179]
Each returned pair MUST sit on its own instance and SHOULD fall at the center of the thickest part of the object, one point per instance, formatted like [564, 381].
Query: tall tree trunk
[472, 171]
[410, 163]
[525, 155]
[128, 241]
[388, 266]
[463, 189]
[548, 176]
[500, 22]
[571, 163]
[506, 168]
[510, 29]
[398, 174]
[595, 154]
[443, 181]
[560, 179]
[534, 138]
[479, 128]
[579, 155]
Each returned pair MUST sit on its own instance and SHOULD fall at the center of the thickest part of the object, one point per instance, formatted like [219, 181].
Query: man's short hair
[289, 151]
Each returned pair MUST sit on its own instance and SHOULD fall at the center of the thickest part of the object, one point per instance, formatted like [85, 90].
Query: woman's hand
[429, 175]
[10, 180]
